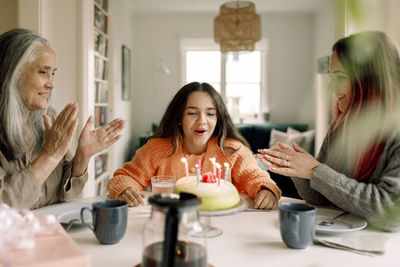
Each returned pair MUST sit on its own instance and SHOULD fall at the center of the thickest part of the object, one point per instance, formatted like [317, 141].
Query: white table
[249, 239]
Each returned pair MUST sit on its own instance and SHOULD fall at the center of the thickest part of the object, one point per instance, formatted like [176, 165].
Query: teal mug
[297, 224]
[109, 220]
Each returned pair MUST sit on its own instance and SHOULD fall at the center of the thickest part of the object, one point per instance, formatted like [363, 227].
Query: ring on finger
[286, 163]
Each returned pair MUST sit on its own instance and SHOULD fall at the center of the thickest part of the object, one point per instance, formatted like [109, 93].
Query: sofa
[259, 136]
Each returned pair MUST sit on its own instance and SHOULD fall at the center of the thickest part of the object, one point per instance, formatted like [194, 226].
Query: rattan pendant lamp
[237, 27]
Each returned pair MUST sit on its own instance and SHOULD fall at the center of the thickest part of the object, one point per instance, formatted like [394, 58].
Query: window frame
[208, 44]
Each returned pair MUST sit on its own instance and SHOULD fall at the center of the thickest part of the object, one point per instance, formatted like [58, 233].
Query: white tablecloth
[249, 239]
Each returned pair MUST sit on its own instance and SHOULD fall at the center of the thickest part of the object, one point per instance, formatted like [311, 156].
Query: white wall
[8, 15]
[375, 15]
[324, 30]
[61, 30]
[121, 34]
[324, 37]
[290, 66]
[291, 59]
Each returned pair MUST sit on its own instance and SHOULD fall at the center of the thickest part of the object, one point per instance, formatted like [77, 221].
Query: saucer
[345, 224]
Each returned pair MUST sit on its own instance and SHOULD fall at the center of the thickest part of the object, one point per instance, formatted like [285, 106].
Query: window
[237, 77]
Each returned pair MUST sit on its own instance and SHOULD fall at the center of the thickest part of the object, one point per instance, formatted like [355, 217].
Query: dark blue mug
[297, 224]
[109, 220]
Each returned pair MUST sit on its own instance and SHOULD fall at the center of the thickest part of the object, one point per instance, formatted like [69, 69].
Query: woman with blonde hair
[358, 166]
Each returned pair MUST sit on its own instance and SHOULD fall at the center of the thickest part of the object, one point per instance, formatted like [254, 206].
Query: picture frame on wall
[126, 73]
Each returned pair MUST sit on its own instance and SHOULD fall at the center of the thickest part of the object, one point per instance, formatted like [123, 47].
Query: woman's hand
[289, 161]
[265, 199]
[92, 141]
[133, 197]
[59, 134]
[58, 137]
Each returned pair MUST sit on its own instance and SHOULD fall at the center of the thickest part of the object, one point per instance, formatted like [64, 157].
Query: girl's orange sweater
[154, 159]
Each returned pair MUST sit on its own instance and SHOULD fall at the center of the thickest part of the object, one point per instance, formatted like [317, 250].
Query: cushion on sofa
[285, 137]
[308, 140]
[258, 135]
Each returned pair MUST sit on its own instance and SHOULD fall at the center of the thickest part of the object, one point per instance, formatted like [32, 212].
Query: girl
[197, 126]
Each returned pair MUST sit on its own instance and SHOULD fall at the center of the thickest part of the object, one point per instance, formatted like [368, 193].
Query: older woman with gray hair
[36, 168]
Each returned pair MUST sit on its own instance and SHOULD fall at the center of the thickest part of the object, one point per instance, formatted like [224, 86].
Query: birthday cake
[213, 196]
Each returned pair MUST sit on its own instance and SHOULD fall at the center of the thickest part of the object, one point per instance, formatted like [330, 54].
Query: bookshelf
[102, 172]
[97, 79]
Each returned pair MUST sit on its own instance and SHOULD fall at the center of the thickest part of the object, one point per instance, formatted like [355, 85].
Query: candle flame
[218, 165]
[197, 165]
[226, 164]
[212, 160]
[184, 160]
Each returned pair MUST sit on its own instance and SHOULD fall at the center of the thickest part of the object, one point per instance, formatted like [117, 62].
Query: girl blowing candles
[197, 126]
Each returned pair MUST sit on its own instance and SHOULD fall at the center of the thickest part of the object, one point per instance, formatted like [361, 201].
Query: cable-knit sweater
[154, 159]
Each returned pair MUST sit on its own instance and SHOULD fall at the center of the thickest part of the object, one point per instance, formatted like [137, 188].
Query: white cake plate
[205, 217]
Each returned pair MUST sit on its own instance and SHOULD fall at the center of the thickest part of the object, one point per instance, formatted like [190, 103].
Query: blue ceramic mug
[297, 224]
[109, 220]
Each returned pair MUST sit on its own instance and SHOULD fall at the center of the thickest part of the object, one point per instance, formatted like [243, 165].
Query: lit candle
[184, 160]
[226, 171]
[198, 174]
[199, 162]
[219, 172]
[213, 162]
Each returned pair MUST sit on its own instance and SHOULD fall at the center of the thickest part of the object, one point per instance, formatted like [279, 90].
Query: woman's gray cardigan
[377, 199]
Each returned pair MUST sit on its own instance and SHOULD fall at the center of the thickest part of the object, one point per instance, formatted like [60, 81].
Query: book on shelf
[100, 165]
[100, 68]
[100, 44]
[98, 188]
[103, 4]
[100, 20]
[100, 116]
[104, 183]
[105, 71]
[101, 188]
[101, 92]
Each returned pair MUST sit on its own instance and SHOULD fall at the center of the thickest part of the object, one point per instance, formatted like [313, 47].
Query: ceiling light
[238, 27]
